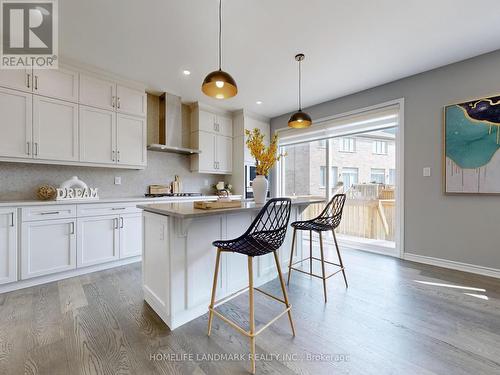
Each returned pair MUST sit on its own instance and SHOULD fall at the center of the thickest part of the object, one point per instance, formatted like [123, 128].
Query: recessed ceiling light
[259, 102]
[186, 72]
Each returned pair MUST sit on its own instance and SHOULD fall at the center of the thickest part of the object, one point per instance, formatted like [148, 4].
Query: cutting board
[217, 205]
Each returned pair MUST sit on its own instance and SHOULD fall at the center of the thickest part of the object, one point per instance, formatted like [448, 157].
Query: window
[348, 144]
[322, 176]
[392, 177]
[322, 143]
[378, 176]
[349, 176]
[334, 177]
[380, 147]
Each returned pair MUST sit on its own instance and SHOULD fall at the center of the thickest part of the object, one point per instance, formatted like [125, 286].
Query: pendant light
[300, 119]
[219, 84]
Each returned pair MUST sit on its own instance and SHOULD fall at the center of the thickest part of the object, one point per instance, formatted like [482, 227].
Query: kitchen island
[179, 259]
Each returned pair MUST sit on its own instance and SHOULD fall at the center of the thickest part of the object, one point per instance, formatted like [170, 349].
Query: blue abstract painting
[472, 139]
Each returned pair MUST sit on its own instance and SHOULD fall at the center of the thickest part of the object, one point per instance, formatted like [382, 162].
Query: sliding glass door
[362, 165]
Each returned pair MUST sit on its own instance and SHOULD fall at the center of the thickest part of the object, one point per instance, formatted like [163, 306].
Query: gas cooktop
[173, 195]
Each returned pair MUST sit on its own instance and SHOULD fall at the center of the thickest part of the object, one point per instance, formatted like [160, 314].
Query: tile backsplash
[19, 181]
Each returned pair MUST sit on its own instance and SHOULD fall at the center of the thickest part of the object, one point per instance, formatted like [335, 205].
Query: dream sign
[75, 189]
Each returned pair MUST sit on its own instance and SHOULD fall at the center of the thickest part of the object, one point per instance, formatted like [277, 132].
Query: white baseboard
[459, 266]
[65, 275]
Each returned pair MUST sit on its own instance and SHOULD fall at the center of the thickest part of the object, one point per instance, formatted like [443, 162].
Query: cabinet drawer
[97, 209]
[48, 212]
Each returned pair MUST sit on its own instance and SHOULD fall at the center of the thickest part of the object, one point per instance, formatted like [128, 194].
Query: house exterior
[367, 158]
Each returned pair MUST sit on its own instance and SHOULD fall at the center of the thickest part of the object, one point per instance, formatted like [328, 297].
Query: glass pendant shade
[299, 120]
[220, 85]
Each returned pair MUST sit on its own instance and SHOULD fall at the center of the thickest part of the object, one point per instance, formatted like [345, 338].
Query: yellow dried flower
[265, 158]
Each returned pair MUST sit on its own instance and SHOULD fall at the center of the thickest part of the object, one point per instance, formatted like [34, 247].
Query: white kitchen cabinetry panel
[15, 124]
[224, 154]
[8, 245]
[56, 83]
[97, 92]
[206, 121]
[224, 125]
[59, 211]
[130, 140]
[55, 129]
[130, 235]
[18, 79]
[100, 209]
[97, 135]
[98, 240]
[47, 247]
[130, 101]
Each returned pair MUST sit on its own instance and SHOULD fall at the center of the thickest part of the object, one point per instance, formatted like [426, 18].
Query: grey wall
[20, 181]
[457, 228]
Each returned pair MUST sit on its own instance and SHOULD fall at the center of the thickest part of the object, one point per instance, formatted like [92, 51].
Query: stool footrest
[312, 274]
[236, 326]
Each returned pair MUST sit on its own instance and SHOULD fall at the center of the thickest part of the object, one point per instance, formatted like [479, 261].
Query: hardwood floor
[396, 318]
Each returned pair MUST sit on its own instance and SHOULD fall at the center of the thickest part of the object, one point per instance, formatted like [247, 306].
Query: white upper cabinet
[206, 121]
[18, 79]
[224, 125]
[130, 140]
[56, 83]
[130, 101]
[15, 124]
[8, 245]
[55, 129]
[97, 92]
[97, 135]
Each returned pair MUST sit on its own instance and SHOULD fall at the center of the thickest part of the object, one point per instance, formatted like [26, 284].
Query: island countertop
[186, 210]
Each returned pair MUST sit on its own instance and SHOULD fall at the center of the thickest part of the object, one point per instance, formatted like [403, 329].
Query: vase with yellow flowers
[265, 158]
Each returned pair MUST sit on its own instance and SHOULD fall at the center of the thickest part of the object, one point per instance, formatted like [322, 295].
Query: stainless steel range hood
[166, 132]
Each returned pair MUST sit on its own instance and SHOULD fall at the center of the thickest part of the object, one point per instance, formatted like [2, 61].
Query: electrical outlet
[118, 180]
[427, 172]
[205, 182]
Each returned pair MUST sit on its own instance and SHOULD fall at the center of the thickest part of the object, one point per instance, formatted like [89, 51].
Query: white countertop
[185, 210]
[138, 199]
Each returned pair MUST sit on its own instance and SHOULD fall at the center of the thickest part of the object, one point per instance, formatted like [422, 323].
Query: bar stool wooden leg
[291, 256]
[285, 294]
[252, 317]
[214, 288]
[322, 264]
[340, 258]
[310, 251]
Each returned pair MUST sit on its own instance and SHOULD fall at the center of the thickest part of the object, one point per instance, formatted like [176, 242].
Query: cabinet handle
[28, 148]
[35, 152]
[118, 156]
[12, 219]
[113, 155]
[50, 213]
[115, 223]
[72, 228]
[36, 82]
[118, 103]
[121, 220]
[28, 79]
[117, 208]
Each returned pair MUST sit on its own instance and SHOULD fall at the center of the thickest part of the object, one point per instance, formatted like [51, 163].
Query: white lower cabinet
[48, 246]
[130, 235]
[98, 240]
[8, 245]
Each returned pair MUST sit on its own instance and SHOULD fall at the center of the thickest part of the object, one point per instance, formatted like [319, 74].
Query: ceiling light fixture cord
[300, 87]
[220, 34]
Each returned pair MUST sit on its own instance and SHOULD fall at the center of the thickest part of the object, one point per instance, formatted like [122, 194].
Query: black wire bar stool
[265, 235]
[328, 220]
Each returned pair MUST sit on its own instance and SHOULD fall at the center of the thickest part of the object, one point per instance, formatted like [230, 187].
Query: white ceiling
[350, 45]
